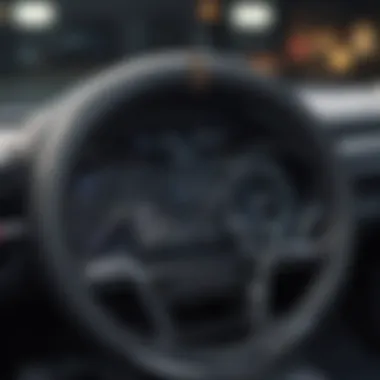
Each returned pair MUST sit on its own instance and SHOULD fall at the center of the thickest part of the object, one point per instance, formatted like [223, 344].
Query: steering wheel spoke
[259, 298]
[160, 285]
[299, 251]
[122, 271]
[282, 251]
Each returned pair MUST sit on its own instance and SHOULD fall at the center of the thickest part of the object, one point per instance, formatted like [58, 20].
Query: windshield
[47, 44]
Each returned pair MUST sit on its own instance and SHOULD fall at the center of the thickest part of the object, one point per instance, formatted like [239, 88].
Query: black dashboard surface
[354, 108]
[349, 115]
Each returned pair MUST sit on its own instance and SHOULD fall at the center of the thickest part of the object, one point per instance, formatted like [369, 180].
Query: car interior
[190, 189]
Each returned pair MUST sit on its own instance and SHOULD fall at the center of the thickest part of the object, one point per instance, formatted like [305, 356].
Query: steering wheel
[81, 113]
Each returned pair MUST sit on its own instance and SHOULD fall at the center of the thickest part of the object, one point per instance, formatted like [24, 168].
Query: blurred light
[3, 13]
[363, 39]
[340, 61]
[34, 14]
[266, 64]
[299, 48]
[324, 40]
[208, 11]
[253, 16]
[200, 75]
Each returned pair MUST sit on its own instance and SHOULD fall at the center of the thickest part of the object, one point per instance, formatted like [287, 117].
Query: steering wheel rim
[75, 119]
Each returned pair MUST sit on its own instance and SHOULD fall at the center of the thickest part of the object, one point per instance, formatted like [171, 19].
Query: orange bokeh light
[265, 63]
[341, 61]
[298, 48]
[209, 11]
[364, 39]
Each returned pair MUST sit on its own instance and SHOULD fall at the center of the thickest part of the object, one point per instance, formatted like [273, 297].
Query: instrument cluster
[175, 186]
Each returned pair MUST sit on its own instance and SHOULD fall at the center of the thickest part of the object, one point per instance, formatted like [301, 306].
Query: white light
[34, 14]
[253, 16]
